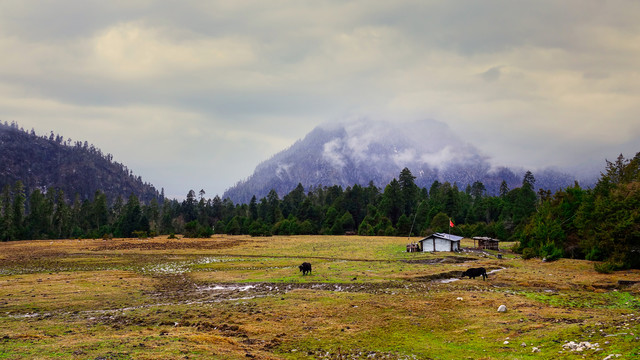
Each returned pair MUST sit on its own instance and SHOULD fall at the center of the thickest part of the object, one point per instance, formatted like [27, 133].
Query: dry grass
[236, 297]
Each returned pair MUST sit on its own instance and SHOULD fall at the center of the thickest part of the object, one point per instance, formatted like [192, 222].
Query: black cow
[473, 272]
[305, 268]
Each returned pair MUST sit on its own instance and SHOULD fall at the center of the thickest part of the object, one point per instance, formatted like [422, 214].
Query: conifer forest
[599, 223]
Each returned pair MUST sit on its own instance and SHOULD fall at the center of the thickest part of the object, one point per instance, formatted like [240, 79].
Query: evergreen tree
[132, 219]
[391, 203]
[153, 214]
[189, 207]
[253, 208]
[37, 220]
[61, 217]
[347, 222]
[99, 213]
[5, 214]
[504, 188]
[409, 191]
[273, 213]
[17, 231]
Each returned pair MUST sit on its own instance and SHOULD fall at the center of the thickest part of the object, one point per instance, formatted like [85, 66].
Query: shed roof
[484, 238]
[444, 236]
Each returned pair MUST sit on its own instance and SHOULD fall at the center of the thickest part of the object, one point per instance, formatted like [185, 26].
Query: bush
[258, 228]
[193, 229]
[608, 267]
[603, 267]
[551, 252]
[528, 253]
[139, 234]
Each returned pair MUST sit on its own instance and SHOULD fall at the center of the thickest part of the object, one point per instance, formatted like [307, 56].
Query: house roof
[443, 236]
[484, 238]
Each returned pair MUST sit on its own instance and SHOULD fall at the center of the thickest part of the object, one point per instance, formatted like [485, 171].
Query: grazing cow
[473, 272]
[305, 268]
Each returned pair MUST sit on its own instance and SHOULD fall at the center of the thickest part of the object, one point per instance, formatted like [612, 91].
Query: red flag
[451, 223]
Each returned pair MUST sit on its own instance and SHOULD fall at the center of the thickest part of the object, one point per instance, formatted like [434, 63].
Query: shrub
[551, 252]
[528, 253]
[603, 267]
[139, 234]
[608, 267]
[192, 229]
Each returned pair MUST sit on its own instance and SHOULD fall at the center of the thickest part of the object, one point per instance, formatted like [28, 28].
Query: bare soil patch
[146, 245]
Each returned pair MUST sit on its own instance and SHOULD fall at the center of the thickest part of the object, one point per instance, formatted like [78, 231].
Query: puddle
[446, 281]
[226, 288]
[216, 293]
[182, 267]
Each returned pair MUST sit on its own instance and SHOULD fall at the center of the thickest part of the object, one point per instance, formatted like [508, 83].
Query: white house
[440, 242]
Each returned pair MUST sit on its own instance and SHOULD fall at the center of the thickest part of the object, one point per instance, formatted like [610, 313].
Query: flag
[451, 223]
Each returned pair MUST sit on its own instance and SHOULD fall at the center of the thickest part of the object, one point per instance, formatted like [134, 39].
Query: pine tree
[5, 214]
[18, 212]
[408, 191]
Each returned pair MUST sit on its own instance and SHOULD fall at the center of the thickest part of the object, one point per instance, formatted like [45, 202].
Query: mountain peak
[363, 150]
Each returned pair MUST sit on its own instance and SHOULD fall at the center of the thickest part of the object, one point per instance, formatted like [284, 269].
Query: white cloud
[131, 50]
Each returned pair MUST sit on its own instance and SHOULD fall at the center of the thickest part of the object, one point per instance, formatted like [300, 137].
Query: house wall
[440, 245]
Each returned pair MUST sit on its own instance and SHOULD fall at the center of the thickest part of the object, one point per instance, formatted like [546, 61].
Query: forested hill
[42, 162]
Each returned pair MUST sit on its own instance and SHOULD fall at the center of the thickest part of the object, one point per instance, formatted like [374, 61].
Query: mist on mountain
[364, 151]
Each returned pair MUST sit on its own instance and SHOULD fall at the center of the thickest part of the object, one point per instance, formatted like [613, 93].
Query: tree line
[598, 224]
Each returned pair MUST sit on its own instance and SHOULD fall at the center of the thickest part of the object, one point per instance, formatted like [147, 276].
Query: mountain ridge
[42, 162]
[366, 151]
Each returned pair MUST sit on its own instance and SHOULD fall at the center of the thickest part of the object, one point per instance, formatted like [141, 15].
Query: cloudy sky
[194, 94]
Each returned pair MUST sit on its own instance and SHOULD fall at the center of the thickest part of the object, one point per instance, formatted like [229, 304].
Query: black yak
[305, 268]
[473, 272]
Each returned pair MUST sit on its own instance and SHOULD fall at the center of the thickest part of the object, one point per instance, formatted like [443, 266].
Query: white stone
[535, 349]
[502, 308]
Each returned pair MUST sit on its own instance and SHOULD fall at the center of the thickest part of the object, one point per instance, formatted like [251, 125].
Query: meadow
[238, 297]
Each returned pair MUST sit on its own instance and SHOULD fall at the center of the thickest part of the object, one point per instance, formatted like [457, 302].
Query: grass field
[236, 297]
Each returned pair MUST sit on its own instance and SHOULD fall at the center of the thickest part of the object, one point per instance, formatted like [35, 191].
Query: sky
[195, 94]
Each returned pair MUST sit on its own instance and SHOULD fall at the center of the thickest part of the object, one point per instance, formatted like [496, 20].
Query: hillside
[366, 151]
[42, 162]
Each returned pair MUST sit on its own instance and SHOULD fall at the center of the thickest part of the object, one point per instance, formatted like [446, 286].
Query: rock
[582, 346]
[506, 342]
[612, 356]
[523, 344]
[535, 350]
[502, 308]
[459, 298]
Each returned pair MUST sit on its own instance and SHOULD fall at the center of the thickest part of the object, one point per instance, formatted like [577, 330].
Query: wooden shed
[486, 243]
[440, 242]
